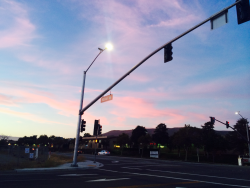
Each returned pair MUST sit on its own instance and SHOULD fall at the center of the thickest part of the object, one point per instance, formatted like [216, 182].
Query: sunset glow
[45, 46]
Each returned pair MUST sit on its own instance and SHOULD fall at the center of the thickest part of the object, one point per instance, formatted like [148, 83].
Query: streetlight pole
[247, 129]
[74, 164]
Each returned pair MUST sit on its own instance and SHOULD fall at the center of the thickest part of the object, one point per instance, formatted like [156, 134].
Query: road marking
[123, 163]
[132, 168]
[92, 165]
[77, 174]
[185, 179]
[155, 185]
[198, 175]
[108, 179]
[154, 165]
[108, 170]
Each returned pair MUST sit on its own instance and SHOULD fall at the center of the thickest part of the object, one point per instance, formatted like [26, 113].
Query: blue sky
[46, 45]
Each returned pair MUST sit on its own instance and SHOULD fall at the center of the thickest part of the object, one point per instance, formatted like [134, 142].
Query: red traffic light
[227, 124]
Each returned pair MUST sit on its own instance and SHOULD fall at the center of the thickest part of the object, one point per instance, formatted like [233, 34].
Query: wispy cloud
[29, 116]
[17, 28]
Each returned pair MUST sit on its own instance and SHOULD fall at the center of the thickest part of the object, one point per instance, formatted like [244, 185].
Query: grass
[55, 160]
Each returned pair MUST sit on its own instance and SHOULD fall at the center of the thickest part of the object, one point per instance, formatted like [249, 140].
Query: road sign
[219, 20]
[107, 98]
[154, 154]
[31, 155]
[27, 150]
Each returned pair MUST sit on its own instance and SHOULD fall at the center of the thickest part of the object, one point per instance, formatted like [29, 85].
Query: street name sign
[107, 98]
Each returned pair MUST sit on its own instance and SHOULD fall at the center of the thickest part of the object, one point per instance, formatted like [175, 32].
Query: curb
[64, 167]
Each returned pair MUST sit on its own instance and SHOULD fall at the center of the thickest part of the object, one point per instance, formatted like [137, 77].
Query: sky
[46, 45]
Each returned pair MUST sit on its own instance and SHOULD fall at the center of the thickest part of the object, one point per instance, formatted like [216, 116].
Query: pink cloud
[139, 108]
[29, 116]
[18, 29]
[15, 95]
[6, 100]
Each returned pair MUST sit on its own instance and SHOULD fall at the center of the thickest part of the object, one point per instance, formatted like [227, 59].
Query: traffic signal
[83, 125]
[243, 11]
[96, 125]
[99, 130]
[212, 120]
[227, 124]
[168, 53]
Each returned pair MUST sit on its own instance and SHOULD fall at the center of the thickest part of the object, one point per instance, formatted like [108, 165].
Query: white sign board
[31, 155]
[27, 150]
[154, 154]
[219, 21]
[245, 160]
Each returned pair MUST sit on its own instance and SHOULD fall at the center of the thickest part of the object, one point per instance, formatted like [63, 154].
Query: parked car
[104, 152]
[79, 151]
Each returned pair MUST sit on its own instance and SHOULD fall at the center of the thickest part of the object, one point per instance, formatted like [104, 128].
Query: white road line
[132, 168]
[108, 170]
[198, 175]
[186, 179]
[153, 165]
[125, 163]
[77, 174]
[108, 180]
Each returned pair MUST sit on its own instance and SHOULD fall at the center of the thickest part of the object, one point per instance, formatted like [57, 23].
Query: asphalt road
[124, 172]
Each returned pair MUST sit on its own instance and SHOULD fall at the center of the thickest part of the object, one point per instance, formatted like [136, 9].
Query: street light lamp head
[237, 113]
[109, 46]
[100, 49]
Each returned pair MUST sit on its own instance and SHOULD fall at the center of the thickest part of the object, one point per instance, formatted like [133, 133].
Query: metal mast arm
[154, 52]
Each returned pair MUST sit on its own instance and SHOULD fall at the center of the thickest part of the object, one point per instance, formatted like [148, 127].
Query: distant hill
[171, 131]
[11, 138]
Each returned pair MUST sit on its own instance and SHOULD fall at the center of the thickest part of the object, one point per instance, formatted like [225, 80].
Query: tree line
[188, 137]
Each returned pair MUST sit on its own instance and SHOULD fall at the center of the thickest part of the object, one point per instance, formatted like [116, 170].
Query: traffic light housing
[212, 120]
[168, 53]
[96, 126]
[243, 11]
[83, 125]
[227, 124]
[99, 130]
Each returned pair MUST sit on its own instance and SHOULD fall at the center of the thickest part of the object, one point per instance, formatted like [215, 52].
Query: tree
[87, 135]
[4, 140]
[235, 140]
[208, 137]
[144, 141]
[160, 135]
[43, 140]
[185, 137]
[27, 140]
[137, 133]
[122, 140]
[212, 141]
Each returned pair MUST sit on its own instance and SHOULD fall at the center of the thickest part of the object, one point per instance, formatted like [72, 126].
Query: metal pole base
[74, 165]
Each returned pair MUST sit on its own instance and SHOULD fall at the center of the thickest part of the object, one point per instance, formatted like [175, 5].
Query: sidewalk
[67, 166]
